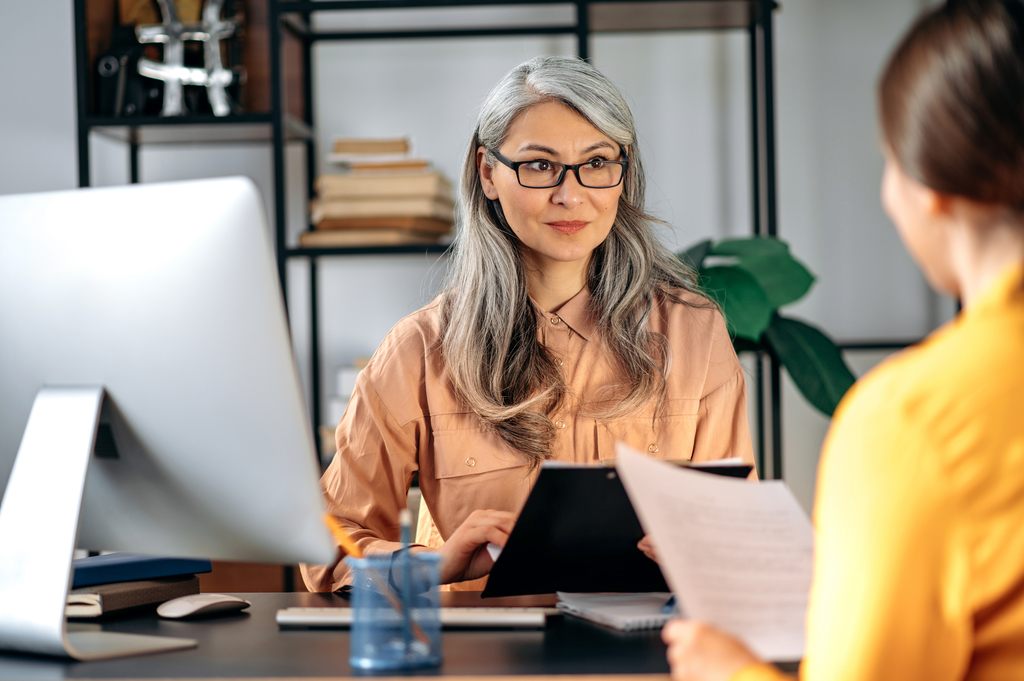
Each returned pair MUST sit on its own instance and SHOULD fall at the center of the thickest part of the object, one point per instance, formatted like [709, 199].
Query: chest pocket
[668, 436]
[463, 446]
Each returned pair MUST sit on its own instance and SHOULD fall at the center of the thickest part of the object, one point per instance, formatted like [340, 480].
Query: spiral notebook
[621, 611]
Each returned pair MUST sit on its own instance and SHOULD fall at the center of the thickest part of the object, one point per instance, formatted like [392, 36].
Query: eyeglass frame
[566, 167]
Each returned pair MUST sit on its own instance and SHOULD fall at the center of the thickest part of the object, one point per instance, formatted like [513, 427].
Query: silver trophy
[172, 34]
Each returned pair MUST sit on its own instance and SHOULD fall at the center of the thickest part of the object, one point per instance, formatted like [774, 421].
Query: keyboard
[451, 618]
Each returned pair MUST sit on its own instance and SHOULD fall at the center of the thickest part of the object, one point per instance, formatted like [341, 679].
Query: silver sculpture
[172, 34]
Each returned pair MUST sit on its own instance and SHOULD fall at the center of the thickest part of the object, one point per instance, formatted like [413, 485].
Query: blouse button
[652, 448]
[560, 425]
[470, 462]
[558, 362]
[554, 320]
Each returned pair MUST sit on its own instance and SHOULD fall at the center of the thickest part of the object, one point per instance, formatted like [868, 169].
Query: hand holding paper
[737, 554]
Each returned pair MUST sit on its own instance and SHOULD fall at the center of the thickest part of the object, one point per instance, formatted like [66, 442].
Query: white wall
[37, 114]
[689, 93]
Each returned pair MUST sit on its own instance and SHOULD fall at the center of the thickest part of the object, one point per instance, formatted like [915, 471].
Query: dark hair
[951, 101]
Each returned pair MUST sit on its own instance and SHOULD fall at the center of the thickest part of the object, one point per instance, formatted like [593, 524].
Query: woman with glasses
[919, 547]
[565, 327]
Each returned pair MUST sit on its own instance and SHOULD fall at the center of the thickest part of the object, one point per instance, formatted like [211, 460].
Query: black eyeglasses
[597, 173]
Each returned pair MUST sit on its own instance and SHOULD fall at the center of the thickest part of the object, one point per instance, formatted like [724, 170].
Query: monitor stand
[38, 529]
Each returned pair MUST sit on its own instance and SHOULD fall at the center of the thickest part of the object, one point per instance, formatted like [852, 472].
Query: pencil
[342, 537]
[345, 540]
[405, 522]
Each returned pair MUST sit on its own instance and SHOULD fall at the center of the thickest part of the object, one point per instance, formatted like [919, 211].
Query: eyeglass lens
[596, 174]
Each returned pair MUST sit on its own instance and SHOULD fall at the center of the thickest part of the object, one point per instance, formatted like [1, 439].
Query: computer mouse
[201, 605]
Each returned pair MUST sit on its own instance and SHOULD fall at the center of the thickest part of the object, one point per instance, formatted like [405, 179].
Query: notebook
[127, 567]
[102, 599]
[621, 611]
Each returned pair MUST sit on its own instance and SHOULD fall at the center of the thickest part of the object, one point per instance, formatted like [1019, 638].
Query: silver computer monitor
[164, 300]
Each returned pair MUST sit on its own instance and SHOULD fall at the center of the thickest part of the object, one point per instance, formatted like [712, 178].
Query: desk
[249, 645]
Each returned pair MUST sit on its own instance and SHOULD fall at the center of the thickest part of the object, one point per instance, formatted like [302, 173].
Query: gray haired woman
[565, 327]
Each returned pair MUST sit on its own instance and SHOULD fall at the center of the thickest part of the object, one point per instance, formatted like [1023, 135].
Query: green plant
[751, 279]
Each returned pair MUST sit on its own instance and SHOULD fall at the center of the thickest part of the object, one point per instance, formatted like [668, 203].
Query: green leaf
[695, 254]
[743, 301]
[812, 360]
[783, 277]
[750, 247]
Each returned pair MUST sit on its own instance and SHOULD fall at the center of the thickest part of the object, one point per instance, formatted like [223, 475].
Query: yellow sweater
[919, 554]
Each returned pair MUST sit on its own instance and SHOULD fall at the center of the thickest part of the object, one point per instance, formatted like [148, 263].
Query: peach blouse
[404, 417]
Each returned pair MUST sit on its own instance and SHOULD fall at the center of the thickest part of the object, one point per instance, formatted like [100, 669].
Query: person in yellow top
[919, 553]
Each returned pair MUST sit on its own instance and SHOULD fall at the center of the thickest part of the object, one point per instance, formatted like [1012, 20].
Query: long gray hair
[489, 338]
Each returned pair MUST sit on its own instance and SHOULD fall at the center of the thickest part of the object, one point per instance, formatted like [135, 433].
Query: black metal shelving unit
[591, 16]
[278, 128]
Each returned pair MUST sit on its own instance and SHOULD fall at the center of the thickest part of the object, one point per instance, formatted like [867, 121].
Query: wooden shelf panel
[685, 15]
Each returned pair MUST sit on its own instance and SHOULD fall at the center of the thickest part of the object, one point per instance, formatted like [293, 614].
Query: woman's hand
[699, 652]
[464, 555]
[647, 546]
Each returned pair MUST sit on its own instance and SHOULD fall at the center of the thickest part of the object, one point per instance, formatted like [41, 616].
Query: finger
[501, 518]
[681, 661]
[483, 535]
[506, 524]
[475, 537]
[677, 632]
[478, 519]
[496, 535]
[678, 656]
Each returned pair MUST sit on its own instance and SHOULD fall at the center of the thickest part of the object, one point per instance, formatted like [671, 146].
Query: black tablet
[578, 532]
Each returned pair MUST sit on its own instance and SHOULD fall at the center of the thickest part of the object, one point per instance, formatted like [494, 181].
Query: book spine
[426, 209]
[104, 569]
[351, 186]
[361, 146]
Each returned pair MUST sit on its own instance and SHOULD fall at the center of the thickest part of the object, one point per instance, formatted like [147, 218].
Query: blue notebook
[127, 567]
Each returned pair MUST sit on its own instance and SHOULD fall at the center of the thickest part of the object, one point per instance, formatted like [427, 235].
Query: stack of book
[116, 582]
[381, 195]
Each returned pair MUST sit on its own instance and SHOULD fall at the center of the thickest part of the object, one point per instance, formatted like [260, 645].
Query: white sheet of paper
[736, 554]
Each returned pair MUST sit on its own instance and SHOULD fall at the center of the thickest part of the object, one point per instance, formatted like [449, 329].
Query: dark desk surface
[250, 645]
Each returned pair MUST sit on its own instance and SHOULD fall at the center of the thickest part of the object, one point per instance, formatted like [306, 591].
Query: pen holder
[396, 618]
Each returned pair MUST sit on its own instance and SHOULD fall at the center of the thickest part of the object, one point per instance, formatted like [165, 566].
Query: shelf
[303, 6]
[255, 127]
[281, 40]
[685, 15]
[605, 16]
[404, 249]
[496, 32]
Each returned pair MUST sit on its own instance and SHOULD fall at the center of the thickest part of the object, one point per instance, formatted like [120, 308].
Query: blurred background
[690, 94]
